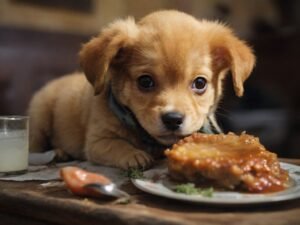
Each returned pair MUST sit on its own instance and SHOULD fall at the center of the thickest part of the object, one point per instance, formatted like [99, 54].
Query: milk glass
[13, 144]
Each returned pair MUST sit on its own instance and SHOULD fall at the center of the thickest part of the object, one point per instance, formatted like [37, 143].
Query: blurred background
[40, 40]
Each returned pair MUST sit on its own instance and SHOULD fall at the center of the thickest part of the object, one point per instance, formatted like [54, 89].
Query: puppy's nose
[172, 120]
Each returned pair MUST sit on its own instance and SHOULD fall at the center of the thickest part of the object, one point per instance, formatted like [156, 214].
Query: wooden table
[29, 203]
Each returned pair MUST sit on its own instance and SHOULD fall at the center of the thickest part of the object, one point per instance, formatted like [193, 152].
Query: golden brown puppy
[148, 84]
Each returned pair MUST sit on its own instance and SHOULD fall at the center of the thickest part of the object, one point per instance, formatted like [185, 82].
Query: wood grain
[55, 205]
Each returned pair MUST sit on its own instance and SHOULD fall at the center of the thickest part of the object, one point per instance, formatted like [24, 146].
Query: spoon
[109, 189]
[85, 183]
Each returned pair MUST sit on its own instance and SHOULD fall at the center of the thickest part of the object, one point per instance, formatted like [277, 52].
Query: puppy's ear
[237, 56]
[96, 55]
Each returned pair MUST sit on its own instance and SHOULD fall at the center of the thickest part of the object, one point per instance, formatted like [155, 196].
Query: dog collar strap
[209, 128]
[126, 116]
[122, 112]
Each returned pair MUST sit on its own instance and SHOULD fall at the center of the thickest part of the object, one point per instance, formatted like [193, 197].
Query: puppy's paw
[61, 156]
[136, 159]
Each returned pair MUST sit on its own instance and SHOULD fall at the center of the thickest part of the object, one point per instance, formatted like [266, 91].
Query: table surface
[29, 203]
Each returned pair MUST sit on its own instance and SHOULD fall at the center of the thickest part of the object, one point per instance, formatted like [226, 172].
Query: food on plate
[76, 180]
[236, 162]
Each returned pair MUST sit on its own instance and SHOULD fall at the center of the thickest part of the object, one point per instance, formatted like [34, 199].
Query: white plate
[162, 186]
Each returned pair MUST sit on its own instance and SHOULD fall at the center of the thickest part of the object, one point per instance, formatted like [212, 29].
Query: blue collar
[127, 118]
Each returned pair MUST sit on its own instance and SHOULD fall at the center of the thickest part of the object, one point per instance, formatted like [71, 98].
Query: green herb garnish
[191, 189]
[134, 173]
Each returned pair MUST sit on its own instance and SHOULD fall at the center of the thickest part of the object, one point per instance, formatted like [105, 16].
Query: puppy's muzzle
[172, 120]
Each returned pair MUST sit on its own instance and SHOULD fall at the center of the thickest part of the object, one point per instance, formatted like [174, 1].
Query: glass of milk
[13, 144]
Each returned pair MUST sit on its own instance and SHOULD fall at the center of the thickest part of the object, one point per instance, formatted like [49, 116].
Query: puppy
[145, 86]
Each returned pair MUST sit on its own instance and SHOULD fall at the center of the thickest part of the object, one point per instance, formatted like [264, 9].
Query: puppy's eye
[199, 85]
[145, 82]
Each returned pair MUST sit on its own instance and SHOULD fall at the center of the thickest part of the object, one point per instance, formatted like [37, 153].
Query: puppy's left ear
[238, 57]
[97, 54]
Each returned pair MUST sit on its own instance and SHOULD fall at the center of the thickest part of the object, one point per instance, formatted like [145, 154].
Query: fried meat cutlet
[236, 162]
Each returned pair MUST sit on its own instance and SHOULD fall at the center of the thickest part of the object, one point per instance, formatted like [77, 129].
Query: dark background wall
[39, 41]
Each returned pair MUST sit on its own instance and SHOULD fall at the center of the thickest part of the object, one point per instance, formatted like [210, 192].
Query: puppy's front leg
[116, 152]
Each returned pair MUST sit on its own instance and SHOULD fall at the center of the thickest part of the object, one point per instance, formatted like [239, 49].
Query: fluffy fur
[71, 114]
